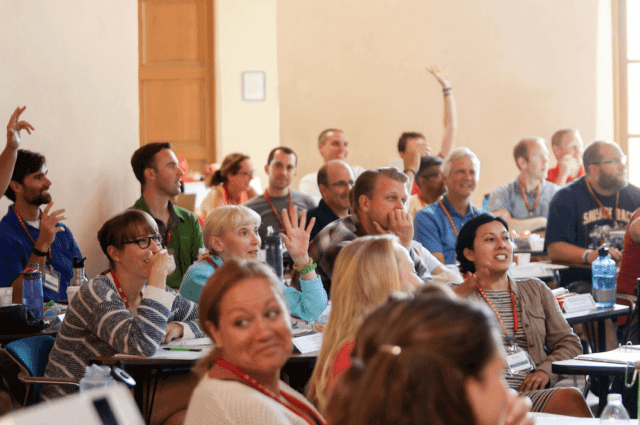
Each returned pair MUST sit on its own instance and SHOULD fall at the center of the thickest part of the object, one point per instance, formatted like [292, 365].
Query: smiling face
[133, 260]
[166, 175]
[340, 181]
[240, 181]
[242, 242]
[34, 189]
[492, 248]
[253, 332]
[461, 181]
[335, 146]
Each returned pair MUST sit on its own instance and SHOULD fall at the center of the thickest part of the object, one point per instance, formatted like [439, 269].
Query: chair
[31, 355]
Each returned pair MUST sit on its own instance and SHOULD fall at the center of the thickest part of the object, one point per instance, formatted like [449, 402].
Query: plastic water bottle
[32, 291]
[485, 203]
[273, 248]
[614, 409]
[96, 377]
[603, 272]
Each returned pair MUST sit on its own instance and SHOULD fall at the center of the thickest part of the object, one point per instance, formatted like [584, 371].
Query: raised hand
[295, 236]
[49, 227]
[15, 126]
[433, 69]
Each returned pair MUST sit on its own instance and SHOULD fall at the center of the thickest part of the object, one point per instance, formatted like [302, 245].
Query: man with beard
[335, 180]
[29, 235]
[281, 168]
[600, 200]
[156, 168]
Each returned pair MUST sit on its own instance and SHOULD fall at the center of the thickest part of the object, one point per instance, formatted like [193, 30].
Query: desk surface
[584, 367]
[596, 314]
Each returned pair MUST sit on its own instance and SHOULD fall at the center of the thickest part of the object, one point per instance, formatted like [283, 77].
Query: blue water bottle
[32, 291]
[485, 203]
[603, 278]
[273, 248]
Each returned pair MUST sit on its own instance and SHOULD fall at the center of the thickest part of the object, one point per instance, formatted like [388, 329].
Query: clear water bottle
[603, 279]
[614, 409]
[32, 291]
[96, 377]
[273, 248]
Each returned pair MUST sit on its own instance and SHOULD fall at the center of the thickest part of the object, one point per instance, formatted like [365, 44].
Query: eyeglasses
[432, 175]
[145, 241]
[342, 184]
[246, 173]
[615, 161]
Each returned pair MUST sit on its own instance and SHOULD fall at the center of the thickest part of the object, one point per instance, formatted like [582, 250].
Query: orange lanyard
[266, 195]
[227, 196]
[602, 207]
[295, 405]
[513, 303]
[526, 201]
[453, 225]
[24, 226]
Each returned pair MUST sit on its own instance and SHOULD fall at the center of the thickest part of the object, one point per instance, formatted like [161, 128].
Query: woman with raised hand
[232, 232]
[366, 271]
[127, 309]
[243, 310]
[530, 319]
[432, 360]
[230, 184]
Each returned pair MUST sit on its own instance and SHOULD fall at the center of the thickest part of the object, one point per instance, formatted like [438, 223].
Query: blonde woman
[231, 231]
[230, 184]
[366, 272]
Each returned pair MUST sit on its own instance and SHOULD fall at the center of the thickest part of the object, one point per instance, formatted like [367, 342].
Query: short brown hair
[521, 149]
[367, 183]
[125, 227]
[322, 138]
[404, 138]
[556, 139]
[145, 157]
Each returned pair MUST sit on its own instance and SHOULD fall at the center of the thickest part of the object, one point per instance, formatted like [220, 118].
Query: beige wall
[74, 63]
[517, 68]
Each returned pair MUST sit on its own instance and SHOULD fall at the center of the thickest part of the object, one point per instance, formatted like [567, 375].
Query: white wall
[74, 63]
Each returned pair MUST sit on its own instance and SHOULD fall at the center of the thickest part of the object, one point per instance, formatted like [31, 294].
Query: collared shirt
[327, 245]
[553, 173]
[433, 228]
[323, 214]
[183, 235]
[509, 197]
[16, 248]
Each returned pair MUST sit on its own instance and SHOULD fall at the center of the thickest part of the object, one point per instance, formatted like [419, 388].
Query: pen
[182, 349]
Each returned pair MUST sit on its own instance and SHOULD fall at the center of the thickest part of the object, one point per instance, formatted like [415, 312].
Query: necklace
[495, 311]
[526, 201]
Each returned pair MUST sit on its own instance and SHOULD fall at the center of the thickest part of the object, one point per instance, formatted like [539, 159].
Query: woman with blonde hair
[231, 231]
[230, 184]
[366, 271]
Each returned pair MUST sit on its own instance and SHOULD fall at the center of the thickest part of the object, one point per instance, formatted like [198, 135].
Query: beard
[40, 199]
[611, 182]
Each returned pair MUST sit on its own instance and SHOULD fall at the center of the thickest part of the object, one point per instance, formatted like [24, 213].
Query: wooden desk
[598, 315]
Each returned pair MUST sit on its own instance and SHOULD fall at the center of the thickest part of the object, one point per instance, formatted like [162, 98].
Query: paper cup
[522, 258]
[6, 297]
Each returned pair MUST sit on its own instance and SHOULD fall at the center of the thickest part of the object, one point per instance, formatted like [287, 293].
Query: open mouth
[501, 257]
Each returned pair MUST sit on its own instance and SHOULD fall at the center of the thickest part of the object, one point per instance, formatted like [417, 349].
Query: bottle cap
[614, 397]
[78, 263]
[603, 251]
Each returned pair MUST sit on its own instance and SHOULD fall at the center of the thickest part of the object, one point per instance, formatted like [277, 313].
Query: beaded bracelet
[309, 268]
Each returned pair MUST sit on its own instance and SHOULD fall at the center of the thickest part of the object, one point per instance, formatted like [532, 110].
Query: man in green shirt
[156, 168]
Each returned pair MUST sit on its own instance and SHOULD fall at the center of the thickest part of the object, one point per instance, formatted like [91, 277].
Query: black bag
[17, 319]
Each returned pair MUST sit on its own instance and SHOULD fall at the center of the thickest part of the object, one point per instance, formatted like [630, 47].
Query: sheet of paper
[619, 355]
[308, 343]
[529, 270]
[547, 419]
[189, 342]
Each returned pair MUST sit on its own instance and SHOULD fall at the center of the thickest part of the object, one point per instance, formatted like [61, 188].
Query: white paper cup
[522, 258]
[6, 297]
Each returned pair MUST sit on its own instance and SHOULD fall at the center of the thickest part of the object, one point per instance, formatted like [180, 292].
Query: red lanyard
[266, 195]
[213, 263]
[24, 226]
[119, 287]
[526, 201]
[515, 312]
[227, 196]
[453, 225]
[602, 207]
[295, 405]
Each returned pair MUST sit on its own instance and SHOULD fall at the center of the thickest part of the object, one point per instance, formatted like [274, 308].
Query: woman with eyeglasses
[230, 184]
[127, 309]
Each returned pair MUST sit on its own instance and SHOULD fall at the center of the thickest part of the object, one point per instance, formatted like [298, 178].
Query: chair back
[32, 355]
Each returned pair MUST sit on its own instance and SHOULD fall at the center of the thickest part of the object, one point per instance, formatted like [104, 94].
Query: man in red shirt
[567, 147]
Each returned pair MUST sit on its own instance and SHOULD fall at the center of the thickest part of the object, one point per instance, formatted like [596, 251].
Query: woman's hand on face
[162, 265]
[295, 236]
[518, 410]
[536, 380]
[174, 331]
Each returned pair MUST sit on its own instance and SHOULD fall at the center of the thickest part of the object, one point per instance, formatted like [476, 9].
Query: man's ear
[323, 189]
[364, 203]
[521, 163]
[149, 174]
[266, 169]
[17, 187]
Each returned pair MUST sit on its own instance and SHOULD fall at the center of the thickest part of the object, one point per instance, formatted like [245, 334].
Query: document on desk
[308, 343]
[622, 355]
[194, 342]
[530, 270]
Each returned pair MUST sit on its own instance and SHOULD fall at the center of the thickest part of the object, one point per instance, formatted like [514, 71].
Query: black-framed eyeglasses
[342, 184]
[145, 241]
[622, 160]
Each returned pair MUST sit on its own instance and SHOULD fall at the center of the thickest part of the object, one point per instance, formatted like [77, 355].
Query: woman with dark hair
[532, 324]
[415, 361]
[243, 309]
[230, 184]
[127, 309]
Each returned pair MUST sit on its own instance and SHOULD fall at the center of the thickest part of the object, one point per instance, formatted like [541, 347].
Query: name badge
[51, 279]
[518, 360]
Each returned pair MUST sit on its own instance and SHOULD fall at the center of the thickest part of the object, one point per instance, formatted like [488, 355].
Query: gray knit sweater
[97, 323]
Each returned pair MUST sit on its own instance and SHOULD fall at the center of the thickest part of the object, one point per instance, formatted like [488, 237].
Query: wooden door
[175, 77]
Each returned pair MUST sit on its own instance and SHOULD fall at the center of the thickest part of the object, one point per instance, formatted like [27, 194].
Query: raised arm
[450, 114]
[10, 153]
